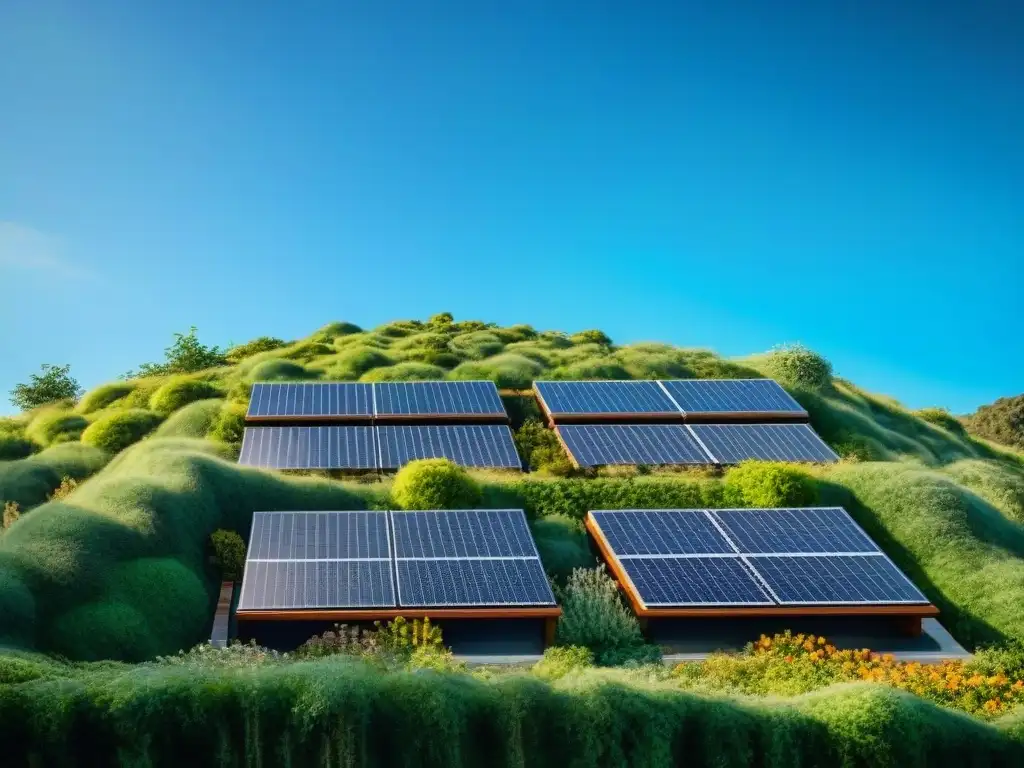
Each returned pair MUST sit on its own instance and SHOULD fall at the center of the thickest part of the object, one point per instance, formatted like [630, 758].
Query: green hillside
[119, 568]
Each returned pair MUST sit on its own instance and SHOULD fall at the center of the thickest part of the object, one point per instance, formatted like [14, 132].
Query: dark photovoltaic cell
[438, 398]
[309, 448]
[605, 397]
[597, 445]
[835, 580]
[693, 581]
[474, 582]
[462, 533]
[488, 445]
[746, 396]
[661, 532]
[310, 400]
[318, 535]
[292, 584]
[733, 443]
[804, 530]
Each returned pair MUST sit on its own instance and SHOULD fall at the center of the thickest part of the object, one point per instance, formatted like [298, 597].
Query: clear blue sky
[720, 174]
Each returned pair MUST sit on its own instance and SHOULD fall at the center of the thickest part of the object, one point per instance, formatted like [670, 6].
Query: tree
[186, 355]
[53, 384]
[1001, 421]
[229, 553]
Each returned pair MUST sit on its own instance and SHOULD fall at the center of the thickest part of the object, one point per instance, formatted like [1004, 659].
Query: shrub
[194, 420]
[402, 637]
[591, 337]
[52, 427]
[404, 372]
[641, 363]
[66, 488]
[230, 425]
[797, 366]
[52, 385]
[306, 351]
[563, 546]
[116, 431]
[354, 361]
[228, 553]
[15, 447]
[179, 392]
[769, 484]
[477, 345]
[185, 355]
[29, 481]
[539, 448]
[276, 369]
[435, 484]
[942, 418]
[399, 328]
[514, 333]
[334, 330]
[103, 630]
[254, 347]
[11, 513]
[441, 320]
[508, 371]
[341, 639]
[559, 661]
[106, 395]
[593, 616]
[1002, 421]
[593, 368]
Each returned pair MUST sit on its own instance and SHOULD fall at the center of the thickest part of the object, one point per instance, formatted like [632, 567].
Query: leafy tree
[1002, 421]
[186, 355]
[592, 336]
[53, 384]
[229, 552]
[442, 319]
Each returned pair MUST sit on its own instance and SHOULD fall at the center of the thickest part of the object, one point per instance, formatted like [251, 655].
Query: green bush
[14, 447]
[29, 481]
[942, 418]
[997, 483]
[593, 368]
[229, 554]
[559, 661]
[769, 484]
[178, 392]
[594, 617]
[254, 347]
[230, 425]
[116, 431]
[52, 427]
[643, 362]
[563, 546]
[306, 351]
[477, 344]
[508, 371]
[279, 370]
[404, 372]
[794, 365]
[103, 630]
[515, 333]
[435, 484]
[335, 330]
[591, 337]
[1001, 421]
[193, 420]
[106, 395]
[399, 328]
[540, 449]
[354, 361]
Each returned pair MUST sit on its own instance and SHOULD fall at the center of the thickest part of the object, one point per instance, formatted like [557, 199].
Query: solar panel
[661, 532]
[336, 559]
[595, 398]
[279, 400]
[318, 535]
[309, 448]
[593, 445]
[462, 533]
[693, 581]
[482, 445]
[733, 443]
[733, 397]
[474, 582]
[803, 530]
[835, 580]
[410, 399]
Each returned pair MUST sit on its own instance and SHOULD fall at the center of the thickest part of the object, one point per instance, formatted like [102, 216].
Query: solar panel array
[563, 398]
[751, 557]
[346, 560]
[733, 443]
[383, 447]
[726, 397]
[384, 401]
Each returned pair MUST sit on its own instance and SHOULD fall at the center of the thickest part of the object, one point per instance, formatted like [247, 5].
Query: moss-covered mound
[113, 432]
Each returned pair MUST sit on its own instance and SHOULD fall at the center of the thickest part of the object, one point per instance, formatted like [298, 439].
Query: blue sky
[728, 175]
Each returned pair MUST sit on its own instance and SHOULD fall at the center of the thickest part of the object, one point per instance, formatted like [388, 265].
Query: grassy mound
[356, 360]
[179, 392]
[115, 431]
[29, 481]
[508, 371]
[476, 345]
[104, 396]
[279, 370]
[404, 372]
[50, 427]
[15, 447]
[194, 420]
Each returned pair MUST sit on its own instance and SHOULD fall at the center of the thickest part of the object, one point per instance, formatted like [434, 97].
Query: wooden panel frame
[910, 611]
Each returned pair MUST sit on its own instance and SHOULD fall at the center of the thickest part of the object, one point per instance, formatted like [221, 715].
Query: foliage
[508, 371]
[354, 361]
[178, 392]
[15, 447]
[435, 484]
[402, 637]
[591, 337]
[276, 369]
[559, 661]
[230, 424]
[11, 513]
[53, 384]
[115, 431]
[441, 320]
[29, 481]
[998, 483]
[104, 396]
[50, 427]
[540, 450]
[193, 420]
[477, 344]
[943, 418]
[563, 546]
[254, 347]
[592, 368]
[769, 484]
[334, 330]
[594, 617]
[404, 372]
[352, 640]
[1001, 421]
[66, 488]
[794, 365]
[228, 553]
[185, 355]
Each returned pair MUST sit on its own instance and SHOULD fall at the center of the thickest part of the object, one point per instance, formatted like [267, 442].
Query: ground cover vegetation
[124, 509]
